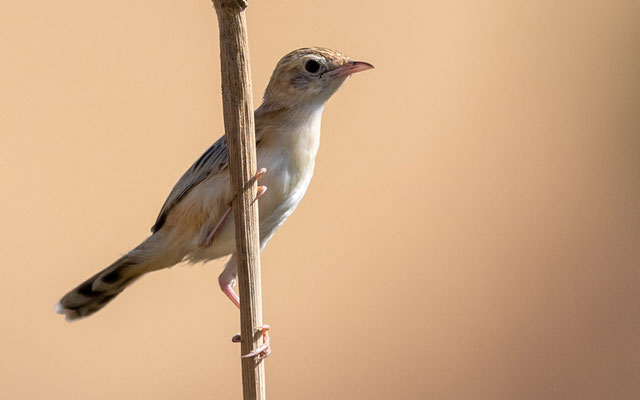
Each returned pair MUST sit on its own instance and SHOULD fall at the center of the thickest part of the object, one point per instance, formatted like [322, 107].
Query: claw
[259, 174]
[261, 191]
[261, 352]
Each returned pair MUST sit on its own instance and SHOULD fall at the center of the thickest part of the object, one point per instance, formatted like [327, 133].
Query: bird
[195, 224]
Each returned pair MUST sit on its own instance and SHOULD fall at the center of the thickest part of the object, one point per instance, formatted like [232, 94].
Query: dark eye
[312, 66]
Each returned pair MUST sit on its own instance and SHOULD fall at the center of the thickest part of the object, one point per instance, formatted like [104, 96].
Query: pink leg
[208, 240]
[231, 294]
[261, 352]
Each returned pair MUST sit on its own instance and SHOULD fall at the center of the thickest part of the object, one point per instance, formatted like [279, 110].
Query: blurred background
[472, 229]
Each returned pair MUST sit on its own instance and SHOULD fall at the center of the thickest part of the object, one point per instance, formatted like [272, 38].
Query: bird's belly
[286, 185]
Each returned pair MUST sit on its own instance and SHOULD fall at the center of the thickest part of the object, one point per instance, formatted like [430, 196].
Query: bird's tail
[97, 291]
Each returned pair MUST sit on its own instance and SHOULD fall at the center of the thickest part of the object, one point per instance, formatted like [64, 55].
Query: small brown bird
[194, 223]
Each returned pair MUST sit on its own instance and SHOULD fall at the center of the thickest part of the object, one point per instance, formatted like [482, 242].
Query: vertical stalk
[240, 136]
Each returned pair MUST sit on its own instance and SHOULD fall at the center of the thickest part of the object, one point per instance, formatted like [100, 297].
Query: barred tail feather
[97, 291]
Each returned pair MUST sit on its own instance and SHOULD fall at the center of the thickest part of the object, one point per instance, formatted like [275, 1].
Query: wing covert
[214, 160]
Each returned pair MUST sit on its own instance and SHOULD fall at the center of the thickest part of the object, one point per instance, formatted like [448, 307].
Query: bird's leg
[211, 233]
[264, 350]
[227, 289]
[227, 280]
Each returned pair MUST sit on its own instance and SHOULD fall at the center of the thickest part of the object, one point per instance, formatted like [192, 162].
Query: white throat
[302, 129]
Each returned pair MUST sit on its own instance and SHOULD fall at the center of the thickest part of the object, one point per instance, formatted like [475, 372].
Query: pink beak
[351, 67]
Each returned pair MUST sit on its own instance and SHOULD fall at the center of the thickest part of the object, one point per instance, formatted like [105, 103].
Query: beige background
[471, 231]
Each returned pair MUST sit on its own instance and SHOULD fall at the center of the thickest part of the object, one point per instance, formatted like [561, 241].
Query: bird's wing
[213, 161]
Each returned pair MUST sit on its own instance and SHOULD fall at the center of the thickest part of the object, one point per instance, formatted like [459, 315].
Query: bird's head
[309, 76]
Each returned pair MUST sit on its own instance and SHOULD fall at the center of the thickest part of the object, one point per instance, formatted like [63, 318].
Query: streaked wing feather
[213, 161]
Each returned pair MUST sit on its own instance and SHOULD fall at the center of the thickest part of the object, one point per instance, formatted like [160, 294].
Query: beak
[351, 67]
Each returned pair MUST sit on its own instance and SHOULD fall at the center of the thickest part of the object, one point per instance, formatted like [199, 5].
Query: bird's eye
[312, 66]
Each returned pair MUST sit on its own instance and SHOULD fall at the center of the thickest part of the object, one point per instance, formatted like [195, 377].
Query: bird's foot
[261, 352]
[211, 233]
[261, 189]
[259, 174]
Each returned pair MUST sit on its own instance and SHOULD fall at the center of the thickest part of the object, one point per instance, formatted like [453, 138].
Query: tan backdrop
[471, 231]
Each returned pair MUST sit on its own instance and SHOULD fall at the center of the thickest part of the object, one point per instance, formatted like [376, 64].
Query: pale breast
[287, 150]
[287, 181]
[289, 155]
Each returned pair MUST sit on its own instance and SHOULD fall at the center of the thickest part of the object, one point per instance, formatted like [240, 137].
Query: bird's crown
[308, 76]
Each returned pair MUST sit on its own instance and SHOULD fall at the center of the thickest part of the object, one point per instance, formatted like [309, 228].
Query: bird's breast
[287, 180]
[289, 160]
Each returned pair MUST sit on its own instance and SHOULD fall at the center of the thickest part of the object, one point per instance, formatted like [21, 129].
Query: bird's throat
[294, 129]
